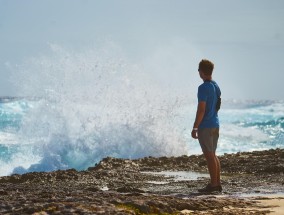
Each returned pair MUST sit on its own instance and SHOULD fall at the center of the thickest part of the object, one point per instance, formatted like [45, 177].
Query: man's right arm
[199, 116]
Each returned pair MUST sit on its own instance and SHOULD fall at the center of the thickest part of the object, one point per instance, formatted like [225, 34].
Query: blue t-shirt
[207, 92]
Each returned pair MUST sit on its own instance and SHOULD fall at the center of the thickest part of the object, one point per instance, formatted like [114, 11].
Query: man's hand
[194, 134]
[199, 116]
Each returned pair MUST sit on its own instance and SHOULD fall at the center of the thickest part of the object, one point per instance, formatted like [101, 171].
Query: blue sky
[245, 39]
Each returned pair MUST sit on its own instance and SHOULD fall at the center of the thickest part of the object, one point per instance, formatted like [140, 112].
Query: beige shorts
[208, 139]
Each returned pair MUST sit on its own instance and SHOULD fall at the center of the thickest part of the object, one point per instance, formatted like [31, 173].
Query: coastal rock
[3, 192]
[129, 190]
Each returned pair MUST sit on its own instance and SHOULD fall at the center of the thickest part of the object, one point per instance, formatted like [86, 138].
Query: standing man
[206, 125]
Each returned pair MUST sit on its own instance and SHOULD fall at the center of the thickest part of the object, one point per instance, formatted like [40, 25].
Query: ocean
[76, 108]
[36, 137]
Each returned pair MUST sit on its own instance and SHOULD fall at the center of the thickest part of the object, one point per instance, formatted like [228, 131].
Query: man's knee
[209, 155]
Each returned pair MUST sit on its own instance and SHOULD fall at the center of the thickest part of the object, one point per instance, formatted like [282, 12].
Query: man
[206, 125]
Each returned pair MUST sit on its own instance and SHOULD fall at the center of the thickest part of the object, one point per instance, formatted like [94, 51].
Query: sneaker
[209, 189]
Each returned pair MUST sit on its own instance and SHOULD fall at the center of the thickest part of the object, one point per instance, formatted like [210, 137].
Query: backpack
[218, 104]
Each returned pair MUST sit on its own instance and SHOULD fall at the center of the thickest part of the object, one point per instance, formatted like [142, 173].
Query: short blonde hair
[206, 66]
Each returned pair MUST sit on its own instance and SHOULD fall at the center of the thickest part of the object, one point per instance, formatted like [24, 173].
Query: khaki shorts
[208, 139]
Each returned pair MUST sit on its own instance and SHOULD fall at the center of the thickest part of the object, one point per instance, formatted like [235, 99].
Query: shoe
[210, 189]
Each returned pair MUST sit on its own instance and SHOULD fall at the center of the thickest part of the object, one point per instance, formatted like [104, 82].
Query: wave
[45, 136]
[82, 107]
[90, 105]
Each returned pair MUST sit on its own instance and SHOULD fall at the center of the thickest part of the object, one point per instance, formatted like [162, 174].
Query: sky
[168, 38]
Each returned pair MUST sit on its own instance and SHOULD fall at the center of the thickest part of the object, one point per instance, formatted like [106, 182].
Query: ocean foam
[94, 105]
[84, 106]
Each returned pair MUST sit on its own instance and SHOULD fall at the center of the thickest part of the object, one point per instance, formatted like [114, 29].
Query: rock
[183, 206]
[3, 192]
[71, 191]
[128, 189]
[138, 207]
[93, 189]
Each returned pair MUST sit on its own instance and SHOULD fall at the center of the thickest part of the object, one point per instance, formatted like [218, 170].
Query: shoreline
[121, 186]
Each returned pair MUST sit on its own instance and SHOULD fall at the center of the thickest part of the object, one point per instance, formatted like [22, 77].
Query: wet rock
[129, 189]
[93, 189]
[277, 168]
[3, 192]
[138, 206]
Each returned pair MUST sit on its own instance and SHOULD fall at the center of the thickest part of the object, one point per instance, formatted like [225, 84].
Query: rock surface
[122, 186]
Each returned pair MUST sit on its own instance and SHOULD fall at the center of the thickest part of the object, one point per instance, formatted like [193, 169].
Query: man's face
[201, 74]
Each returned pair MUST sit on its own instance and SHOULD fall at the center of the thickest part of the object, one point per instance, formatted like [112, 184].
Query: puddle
[158, 182]
[266, 194]
[180, 175]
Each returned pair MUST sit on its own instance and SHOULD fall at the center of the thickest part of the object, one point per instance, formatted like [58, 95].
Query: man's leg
[215, 142]
[208, 139]
[218, 171]
[213, 165]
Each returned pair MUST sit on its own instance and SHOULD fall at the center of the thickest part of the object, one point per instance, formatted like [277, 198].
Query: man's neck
[207, 78]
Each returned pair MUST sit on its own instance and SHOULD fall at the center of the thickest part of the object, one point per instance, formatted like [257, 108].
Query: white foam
[25, 159]
[8, 138]
[94, 105]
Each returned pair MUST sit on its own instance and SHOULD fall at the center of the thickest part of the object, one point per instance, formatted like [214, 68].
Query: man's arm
[199, 116]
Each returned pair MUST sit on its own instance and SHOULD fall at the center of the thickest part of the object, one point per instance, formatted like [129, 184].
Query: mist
[165, 39]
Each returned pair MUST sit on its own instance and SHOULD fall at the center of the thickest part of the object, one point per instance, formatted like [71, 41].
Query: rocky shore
[122, 186]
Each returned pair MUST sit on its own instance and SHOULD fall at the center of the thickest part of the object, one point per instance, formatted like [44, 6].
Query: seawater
[178, 175]
[77, 108]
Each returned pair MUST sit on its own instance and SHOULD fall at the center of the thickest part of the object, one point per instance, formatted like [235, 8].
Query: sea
[76, 109]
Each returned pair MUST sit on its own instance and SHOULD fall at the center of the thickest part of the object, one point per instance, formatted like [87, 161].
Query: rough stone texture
[120, 186]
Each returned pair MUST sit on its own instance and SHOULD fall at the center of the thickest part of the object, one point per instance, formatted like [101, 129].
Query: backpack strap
[218, 103]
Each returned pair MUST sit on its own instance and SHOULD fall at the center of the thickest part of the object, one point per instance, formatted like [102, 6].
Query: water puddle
[157, 182]
[178, 176]
[264, 194]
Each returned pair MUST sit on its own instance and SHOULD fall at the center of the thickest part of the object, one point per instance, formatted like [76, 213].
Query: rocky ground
[120, 186]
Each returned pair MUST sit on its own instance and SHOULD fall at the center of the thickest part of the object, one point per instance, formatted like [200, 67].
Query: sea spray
[92, 105]
[78, 107]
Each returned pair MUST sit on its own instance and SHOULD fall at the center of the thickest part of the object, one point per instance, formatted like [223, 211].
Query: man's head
[206, 67]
